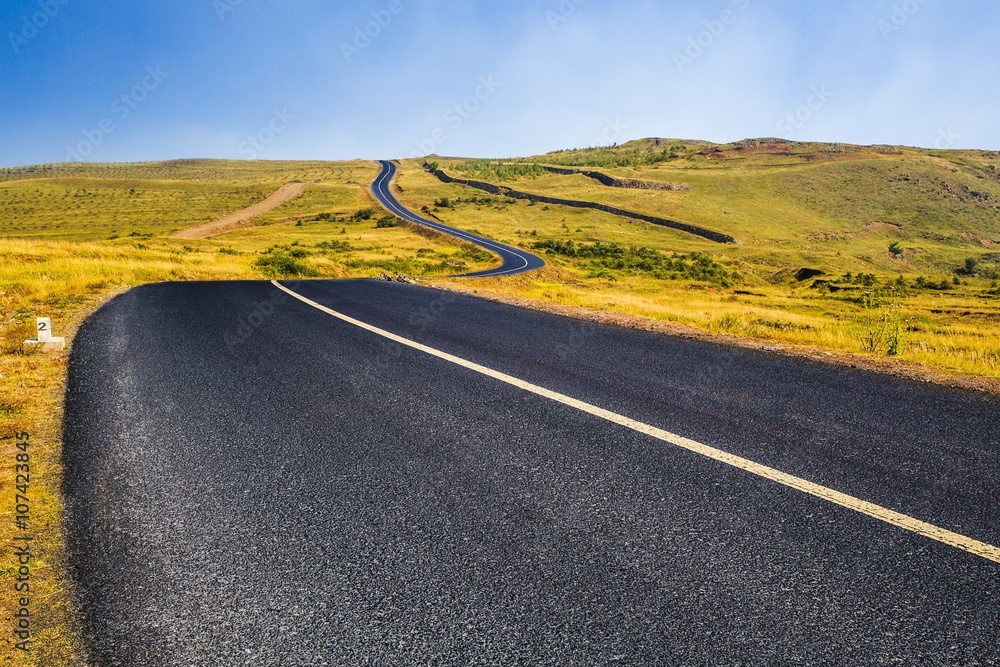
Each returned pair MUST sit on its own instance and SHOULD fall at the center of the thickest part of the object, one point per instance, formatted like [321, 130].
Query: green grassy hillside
[878, 250]
[790, 203]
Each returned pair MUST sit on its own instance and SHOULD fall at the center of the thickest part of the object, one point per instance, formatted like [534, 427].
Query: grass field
[875, 251]
[98, 202]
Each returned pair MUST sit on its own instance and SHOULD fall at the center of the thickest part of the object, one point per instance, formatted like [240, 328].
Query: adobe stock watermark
[610, 133]
[223, 7]
[420, 319]
[946, 138]
[698, 44]
[577, 338]
[562, 13]
[900, 16]
[792, 122]
[364, 35]
[265, 136]
[121, 109]
[247, 325]
[32, 25]
[456, 115]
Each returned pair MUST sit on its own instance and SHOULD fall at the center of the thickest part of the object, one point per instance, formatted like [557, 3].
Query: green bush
[282, 264]
[491, 170]
[473, 254]
[339, 246]
[601, 258]
[881, 324]
[866, 279]
[924, 283]
[387, 221]
[611, 157]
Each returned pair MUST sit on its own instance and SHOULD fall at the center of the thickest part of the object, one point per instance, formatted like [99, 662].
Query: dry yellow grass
[33, 387]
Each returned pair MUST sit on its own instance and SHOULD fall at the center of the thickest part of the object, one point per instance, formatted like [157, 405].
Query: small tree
[970, 265]
[895, 249]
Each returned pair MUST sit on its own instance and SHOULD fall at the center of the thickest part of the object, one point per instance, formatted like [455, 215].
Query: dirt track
[234, 220]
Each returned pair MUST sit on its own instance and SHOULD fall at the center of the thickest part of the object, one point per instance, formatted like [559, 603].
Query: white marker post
[46, 341]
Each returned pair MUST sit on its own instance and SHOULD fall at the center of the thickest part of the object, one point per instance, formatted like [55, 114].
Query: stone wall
[718, 237]
[610, 181]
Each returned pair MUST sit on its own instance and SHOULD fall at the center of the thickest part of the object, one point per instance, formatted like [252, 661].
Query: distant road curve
[514, 259]
[228, 222]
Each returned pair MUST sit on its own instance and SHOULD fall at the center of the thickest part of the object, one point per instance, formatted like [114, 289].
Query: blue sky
[116, 81]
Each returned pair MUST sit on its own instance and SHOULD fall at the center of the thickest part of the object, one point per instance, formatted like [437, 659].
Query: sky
[136, 80]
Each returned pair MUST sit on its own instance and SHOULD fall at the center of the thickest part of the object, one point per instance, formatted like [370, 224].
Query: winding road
[359, 472]
[514, 259]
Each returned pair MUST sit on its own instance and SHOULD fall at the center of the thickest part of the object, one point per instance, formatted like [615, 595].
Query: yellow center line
[987, 551]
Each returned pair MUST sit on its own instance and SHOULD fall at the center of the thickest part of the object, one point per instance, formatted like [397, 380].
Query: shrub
[491, 170]
[279, 264]
[387, 221]
[881, 324]
[866, 279]
[601, 257]
[339, 246]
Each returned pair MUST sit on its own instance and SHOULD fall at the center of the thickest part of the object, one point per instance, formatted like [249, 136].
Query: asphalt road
[514, 259]
[250, 480]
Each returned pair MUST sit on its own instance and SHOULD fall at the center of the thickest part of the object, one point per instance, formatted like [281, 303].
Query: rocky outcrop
[401, 278]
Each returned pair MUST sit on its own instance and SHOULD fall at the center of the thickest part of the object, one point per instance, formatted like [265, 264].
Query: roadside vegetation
[609, 260]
